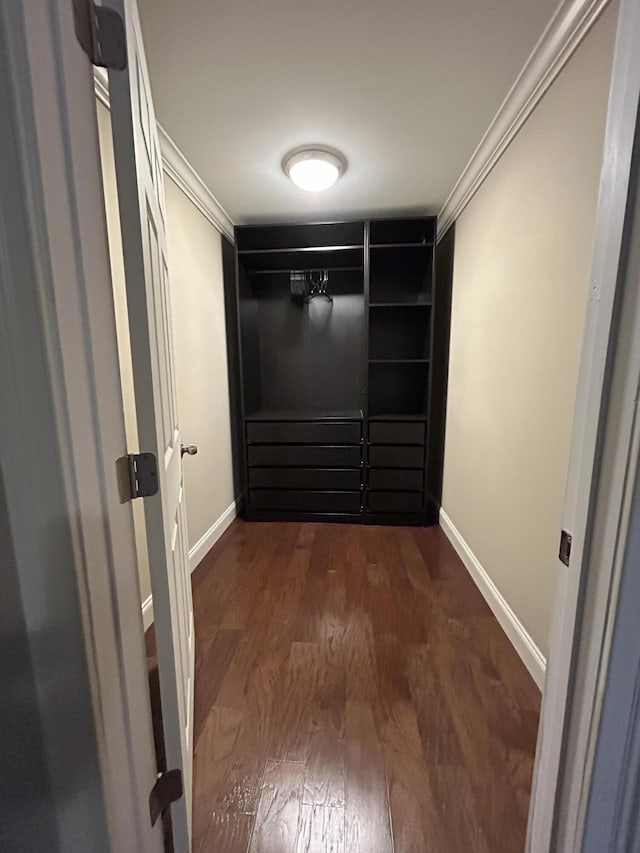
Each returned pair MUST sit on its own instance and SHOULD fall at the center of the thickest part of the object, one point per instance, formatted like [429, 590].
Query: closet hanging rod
[287, 271]
[292, 249]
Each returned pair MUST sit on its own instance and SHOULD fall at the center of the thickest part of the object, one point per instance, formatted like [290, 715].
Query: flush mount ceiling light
[313, 168]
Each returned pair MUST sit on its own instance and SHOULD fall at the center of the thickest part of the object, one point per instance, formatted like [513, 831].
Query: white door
[142, 215]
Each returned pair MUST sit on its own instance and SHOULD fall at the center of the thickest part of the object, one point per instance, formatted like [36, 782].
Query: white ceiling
[404, 88]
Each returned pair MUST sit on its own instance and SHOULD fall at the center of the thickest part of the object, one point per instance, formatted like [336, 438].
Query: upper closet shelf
[336, 234]
[413, 231]
[401, 246]
[307, 258]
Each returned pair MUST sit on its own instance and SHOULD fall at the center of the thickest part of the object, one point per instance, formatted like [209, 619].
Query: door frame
[51, 85]
[53, 82]
[597, 495]
[609, 805]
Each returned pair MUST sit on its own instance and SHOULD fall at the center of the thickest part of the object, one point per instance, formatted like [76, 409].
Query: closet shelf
[305, 415]
[401, 246]
[398, 361]
[398, 417]
[422, 304]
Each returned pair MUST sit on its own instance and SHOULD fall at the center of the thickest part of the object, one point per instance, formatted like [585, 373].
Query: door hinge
[167, 789]
[137, 476]
[565, 547]
[101, 34]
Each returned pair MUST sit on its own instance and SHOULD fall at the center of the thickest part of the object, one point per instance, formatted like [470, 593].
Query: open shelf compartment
[388, 232]
[399, 333]
[401, 275]
[398, 389]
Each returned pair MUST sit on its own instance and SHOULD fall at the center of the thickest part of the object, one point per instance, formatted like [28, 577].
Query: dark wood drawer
[396, 457]
[396, 432]
[395, 479]
[304, 501]
[394, 501]
[307, 456]
[303, 432]
[305, 478]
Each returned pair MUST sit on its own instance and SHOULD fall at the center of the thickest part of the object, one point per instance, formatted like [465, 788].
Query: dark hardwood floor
[354, 692]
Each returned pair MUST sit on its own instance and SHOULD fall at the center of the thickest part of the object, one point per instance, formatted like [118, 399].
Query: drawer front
[304, 501]
[394, 501]
[396, 432]
[303, 432]
[396, 479]
[396, 457]
[304, 478]
[307, 456]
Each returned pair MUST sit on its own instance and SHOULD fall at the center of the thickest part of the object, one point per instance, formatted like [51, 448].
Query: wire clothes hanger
[318, 281]
[307, 284]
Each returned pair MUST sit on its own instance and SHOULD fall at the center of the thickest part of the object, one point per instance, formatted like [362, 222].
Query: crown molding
[570, 24]
[178, 168]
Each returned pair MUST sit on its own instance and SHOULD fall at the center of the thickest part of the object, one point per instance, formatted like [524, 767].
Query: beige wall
[521, 279]
[195, 272]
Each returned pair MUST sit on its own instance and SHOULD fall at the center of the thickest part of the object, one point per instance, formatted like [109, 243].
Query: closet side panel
[249, 342]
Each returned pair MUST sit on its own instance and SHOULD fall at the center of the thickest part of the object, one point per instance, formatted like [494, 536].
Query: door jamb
[616, 528]
[52, 82]
[87, 385]
[561, 775]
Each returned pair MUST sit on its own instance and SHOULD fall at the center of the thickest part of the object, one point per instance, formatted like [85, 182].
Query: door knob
[190, 449]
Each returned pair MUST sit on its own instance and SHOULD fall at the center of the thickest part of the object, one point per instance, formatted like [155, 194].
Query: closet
[340, 334]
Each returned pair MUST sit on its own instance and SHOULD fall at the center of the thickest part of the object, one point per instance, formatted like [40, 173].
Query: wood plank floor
[354, 693]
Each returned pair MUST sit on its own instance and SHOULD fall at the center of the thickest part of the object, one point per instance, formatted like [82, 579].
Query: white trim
[570, 24]
[579, 621]
[60, 356]
[520, 638]
[182, 173]
[209, 539]
[602, 746]
[197, 554]
[147, 612]
[178, 168]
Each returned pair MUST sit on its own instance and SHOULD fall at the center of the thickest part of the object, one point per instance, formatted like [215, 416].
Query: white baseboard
[522, 642]
[206, 542]
[196, 554]
[147, 613]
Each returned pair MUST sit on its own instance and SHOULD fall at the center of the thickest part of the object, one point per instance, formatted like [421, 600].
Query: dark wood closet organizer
[341, 410]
